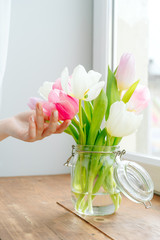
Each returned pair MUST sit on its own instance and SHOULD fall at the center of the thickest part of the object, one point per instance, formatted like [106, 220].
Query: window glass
[137, 30]
[154, 73]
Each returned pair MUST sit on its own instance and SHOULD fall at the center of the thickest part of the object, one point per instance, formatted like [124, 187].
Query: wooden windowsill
[28, 211]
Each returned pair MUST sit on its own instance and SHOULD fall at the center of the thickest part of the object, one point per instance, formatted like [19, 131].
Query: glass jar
[94, 190]
[98, 176]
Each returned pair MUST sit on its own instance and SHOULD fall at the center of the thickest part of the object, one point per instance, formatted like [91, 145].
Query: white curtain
[5, 6]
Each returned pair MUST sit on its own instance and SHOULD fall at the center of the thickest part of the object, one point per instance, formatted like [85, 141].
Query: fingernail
[55, 114]
[32, 118]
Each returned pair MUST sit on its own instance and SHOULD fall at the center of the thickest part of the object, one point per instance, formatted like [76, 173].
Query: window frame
[104, 42]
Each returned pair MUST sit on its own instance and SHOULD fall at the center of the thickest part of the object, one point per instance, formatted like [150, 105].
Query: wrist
[4, 128]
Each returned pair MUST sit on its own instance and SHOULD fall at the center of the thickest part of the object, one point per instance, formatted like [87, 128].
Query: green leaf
[101, 138]
[92, 102]
[130, 91]
[86, 123]
[88, 109]
[100, 106]
[117, 141]
[111, 91]
[110, 140]
[115, 70]
[85, 132]
[73, 132]
[96, 157]
[76, 124]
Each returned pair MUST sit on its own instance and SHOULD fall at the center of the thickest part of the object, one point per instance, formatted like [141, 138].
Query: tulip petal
[65, 80]
[66, 105]
[45, 90]
[79, 82]
[54, 95]
[57, 84]
[125, 74]
[65, 111]
[94, 91]
[48, 107]
[94, 78]
[33, 101]
[122, 122]
[139, 99]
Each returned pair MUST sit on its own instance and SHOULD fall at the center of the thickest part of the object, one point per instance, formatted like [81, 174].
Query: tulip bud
[125, 74]
[139, 99]
[122, 122]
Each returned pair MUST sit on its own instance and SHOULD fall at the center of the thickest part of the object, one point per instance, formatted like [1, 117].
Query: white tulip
[45, 90]
[80, 84]
[125, 74]
[121, 122]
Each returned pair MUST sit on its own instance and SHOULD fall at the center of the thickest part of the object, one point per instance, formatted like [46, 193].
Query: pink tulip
[57, 84]
[139, 99]
[125, 74]
[66, 105]
[33, 101]
[47, 106]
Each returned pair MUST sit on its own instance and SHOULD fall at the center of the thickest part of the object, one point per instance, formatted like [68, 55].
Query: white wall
[45, 36]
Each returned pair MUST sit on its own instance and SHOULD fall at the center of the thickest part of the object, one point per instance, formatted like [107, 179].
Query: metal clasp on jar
[119, 154]
[67, 163]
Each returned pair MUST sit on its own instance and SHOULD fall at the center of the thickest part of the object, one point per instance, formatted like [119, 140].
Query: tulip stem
[80, 120]
[75, 121]
[80, 113]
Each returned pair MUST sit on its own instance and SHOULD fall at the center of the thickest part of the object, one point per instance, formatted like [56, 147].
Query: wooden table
[28, 211]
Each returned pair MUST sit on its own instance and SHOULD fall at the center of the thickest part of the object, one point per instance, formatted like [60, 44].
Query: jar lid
[134, 182]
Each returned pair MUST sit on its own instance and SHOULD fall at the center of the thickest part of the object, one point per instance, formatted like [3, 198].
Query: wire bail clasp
[119, 154]
[67, 163]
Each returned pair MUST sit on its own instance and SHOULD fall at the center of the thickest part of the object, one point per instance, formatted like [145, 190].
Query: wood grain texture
[28, 210]
[132, 221]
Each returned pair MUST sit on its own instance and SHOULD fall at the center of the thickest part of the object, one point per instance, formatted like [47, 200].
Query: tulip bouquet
[99, 119]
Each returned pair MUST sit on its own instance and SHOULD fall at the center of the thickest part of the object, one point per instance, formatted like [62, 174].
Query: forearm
[4, 125]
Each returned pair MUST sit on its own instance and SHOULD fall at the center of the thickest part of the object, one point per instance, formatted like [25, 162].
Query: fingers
[52, 125]
[46, 118]
[39, 121]
[32, 128]
[63, 126]
[39, 128]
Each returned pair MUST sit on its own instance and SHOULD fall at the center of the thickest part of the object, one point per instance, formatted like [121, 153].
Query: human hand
[31, 126]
